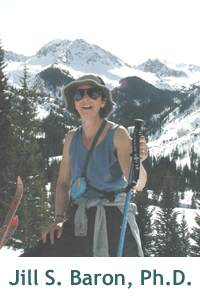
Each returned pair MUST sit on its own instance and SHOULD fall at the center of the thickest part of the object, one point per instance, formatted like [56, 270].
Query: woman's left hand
[143, 148]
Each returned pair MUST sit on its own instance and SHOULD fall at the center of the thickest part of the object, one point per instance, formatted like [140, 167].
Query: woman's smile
[87, 107]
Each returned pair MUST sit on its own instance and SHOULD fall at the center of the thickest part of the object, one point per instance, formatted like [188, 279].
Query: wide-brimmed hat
[89, 79]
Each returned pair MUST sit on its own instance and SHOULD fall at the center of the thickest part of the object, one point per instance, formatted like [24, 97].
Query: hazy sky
[132, 30]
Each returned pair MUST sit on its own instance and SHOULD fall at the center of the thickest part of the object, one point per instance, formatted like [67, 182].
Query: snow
[79, 57]
[180, 131]
[56, 158]
[42, 111]
[190, 215]
[9, 252]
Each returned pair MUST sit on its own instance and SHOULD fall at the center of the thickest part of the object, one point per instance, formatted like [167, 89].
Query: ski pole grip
[136, 148]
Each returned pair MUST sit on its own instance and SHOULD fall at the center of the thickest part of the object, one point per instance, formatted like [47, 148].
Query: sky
[133, 30]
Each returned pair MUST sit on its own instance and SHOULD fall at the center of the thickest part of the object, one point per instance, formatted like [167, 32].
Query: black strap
[101, 128]
[109, 195]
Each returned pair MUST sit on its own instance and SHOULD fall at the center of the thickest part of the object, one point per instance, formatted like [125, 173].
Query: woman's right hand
[56, 226]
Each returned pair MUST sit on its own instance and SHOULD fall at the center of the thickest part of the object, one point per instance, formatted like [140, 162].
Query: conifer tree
[193, 200]
[144, 220]
[184, 236]
[198, 176]
[24, 161]
[195, 235]
[5, 105]
[53, 177]
[166, 239]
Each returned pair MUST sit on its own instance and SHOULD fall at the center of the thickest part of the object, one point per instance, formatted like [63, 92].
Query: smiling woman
[96, 204]
[88, 98]
[76, 90]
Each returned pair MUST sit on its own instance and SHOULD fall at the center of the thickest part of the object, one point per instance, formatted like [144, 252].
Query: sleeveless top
[103, 170]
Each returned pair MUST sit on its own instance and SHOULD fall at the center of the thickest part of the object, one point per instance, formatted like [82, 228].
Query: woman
[93, 220]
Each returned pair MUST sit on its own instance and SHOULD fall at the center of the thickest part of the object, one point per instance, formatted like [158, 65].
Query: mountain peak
[52, 47]
[160, 69]
[79, 41]
[10, 56]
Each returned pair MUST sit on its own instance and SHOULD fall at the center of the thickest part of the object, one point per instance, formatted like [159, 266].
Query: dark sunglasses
[93, 93]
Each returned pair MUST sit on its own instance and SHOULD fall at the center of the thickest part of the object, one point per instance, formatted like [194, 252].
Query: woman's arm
[122, 147]
[64, 178]
[62, 192]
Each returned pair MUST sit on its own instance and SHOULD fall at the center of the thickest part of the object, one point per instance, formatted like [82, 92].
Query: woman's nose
[85, 94]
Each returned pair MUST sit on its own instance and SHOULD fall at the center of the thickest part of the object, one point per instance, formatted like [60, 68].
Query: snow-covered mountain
[76, 57]
[79, 57]
[175, 76]
[160, 69]
[180, 129]
[12, 57]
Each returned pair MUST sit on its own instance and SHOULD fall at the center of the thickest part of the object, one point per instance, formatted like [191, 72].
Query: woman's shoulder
[121, 136]
[69, 137]
[71, 133]
[120, 130]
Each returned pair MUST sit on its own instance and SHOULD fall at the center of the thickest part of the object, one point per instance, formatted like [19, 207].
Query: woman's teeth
[87, 107]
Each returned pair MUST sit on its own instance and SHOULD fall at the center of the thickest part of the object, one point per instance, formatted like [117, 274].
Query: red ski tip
[19, 181]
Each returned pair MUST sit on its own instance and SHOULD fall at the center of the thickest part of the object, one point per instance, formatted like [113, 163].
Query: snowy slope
[176, 76]
[181, 131]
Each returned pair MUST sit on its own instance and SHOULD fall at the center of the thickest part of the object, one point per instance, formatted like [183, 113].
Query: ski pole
[133, 180]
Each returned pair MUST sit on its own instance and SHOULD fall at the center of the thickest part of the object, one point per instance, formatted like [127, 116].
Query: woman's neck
[90, 127]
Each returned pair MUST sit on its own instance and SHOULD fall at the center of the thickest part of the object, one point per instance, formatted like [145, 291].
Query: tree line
[163, 234]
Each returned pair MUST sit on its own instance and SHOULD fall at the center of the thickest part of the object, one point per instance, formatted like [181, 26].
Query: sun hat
[90, 79]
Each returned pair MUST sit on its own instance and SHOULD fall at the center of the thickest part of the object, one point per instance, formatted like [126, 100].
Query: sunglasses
[93, 93]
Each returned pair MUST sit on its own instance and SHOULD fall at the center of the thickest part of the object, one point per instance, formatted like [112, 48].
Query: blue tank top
[103, 171]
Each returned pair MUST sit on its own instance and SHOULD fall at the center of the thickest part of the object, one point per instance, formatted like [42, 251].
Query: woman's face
[88, 107]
